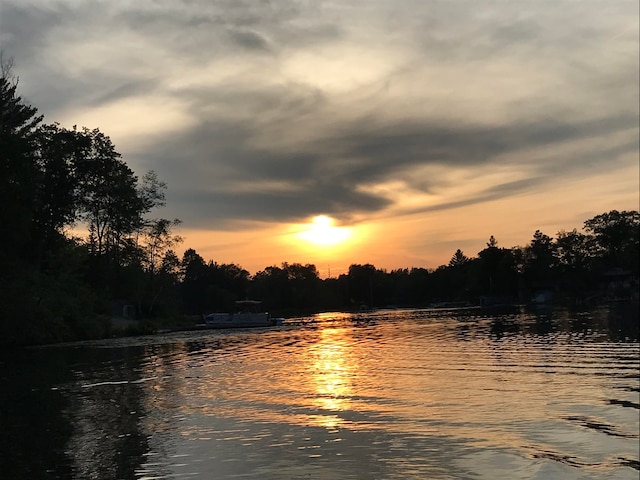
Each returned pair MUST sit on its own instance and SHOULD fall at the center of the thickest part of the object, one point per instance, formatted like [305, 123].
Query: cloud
[278, 111]
[334, 178]
[250, 40]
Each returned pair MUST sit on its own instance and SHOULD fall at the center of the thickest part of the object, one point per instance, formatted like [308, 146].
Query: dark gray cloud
[296, 203]
[332, 176]
[495, 192]
[119, 89]
[250, 40]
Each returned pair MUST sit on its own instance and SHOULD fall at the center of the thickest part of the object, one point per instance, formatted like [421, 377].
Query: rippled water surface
[401, 394]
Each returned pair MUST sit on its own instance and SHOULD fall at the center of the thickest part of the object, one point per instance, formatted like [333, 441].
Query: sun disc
[322, 232]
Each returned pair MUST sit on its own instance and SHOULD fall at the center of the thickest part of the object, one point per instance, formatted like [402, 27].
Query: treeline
[575, 267]
[55, 286]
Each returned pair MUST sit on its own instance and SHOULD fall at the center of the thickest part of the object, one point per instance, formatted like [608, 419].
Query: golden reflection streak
[333, 370]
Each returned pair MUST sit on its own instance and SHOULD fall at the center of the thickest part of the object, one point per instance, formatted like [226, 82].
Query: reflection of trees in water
[623, 321]
[617, 321]
[72, 413]
[503, 325]
[105, 409]
[33, 430]
[544, 323]
[165, 400]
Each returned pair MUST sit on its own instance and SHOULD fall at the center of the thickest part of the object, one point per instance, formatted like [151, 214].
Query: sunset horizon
[417, 129]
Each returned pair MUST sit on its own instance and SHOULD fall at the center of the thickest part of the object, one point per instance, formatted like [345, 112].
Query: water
[402, 394]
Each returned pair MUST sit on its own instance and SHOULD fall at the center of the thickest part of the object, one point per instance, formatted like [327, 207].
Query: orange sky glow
[422, 240]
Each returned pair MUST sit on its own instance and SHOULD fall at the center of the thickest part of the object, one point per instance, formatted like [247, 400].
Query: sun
[322, 232]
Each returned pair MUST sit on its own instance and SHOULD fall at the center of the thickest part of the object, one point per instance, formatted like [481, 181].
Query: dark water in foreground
[404, 394]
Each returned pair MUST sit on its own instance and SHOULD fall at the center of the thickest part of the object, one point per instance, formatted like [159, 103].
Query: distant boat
[248, 315]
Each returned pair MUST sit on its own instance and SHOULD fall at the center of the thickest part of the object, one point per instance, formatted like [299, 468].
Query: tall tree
[459, 258]
[18, 167]
[156, 256]
[109, 198]
[540, 258]
[194, 273]
[496, 271]
[151, 191]
[57, 198]
[158, 239]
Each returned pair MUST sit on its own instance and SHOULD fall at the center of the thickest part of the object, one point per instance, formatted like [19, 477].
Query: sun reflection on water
[424, 397]
[333, 370]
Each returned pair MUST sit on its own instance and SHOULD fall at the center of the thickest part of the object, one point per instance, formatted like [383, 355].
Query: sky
[406, 129]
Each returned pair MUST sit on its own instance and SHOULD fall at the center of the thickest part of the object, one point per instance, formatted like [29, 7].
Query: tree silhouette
[58, 195]
[194, 282]
[272, 286]
[18, 167]
[459, 258]
[573, 250]
[617, 236]
[496, 270]
[540, 259]
[109, 200]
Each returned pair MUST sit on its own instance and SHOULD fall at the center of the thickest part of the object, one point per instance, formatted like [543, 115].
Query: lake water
[398, 394]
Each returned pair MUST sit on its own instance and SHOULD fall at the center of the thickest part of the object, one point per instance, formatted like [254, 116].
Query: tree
[617, 237]
[573, 250]
[156, 258]
[303, 283]
[420, 286]
[57, 198]
[227, 283]
[574, 257]
[171, 265]
[153, 236]
[193, 271]
[158, 238]
[162, 294]
[540, 259]
[151, 191]
[192, 266]
[459, 258]
[18, 167]
[109, 198]
[272, 286]
[362, 282]
[495, 271]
